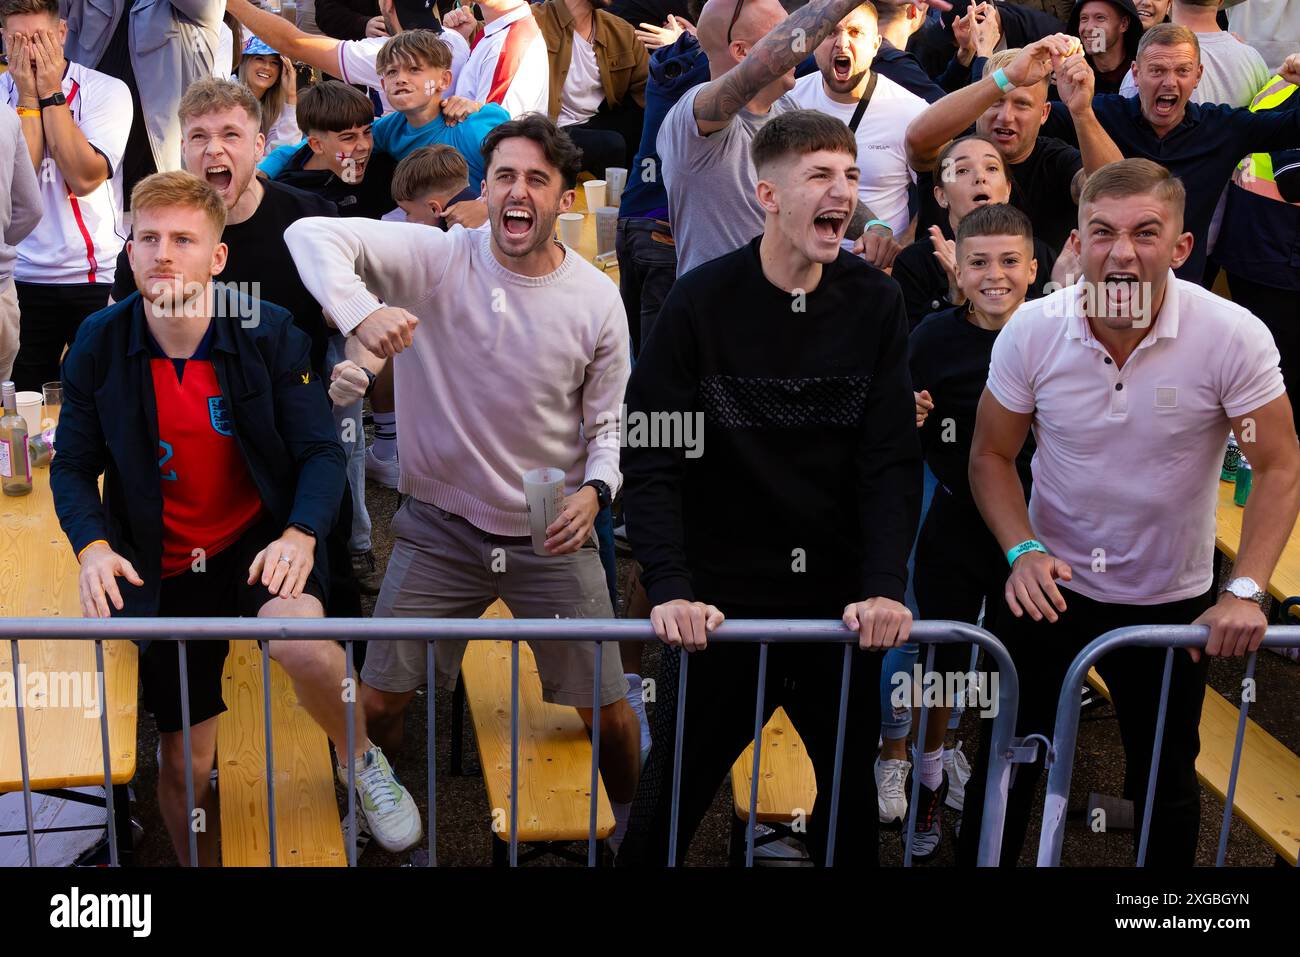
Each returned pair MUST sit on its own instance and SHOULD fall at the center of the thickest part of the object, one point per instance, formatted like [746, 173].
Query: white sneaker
[382, 471]
[388, 808]
[957, 768]
[891, 789]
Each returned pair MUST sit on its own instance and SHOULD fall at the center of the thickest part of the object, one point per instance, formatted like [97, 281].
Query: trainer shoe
[382, 471]
[388, 808]
[957, 768]
[929, 821]
[891, 789]
[364, 573]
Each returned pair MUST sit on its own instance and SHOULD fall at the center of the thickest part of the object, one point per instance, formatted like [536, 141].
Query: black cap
[417, 15]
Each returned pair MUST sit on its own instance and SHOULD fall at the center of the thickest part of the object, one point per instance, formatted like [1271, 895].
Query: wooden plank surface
[786, 781]
[38, 578]
[554, 749]
[308, 830]
[1285, 581]
[1268, 782]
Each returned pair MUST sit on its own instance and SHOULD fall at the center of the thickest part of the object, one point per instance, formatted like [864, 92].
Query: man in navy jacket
[222, 478]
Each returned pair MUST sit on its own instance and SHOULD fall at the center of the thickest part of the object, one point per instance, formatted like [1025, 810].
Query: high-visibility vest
[1255, 172]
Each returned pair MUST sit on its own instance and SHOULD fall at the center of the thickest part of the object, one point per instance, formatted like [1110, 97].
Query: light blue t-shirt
[395, 136]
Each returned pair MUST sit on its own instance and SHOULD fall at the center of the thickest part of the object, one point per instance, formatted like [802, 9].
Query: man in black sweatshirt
[789, 358]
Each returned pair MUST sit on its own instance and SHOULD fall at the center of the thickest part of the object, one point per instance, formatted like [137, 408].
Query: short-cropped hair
[211, 95]
[1135, 177]
[18, 8]
[995, 219]
[798, 133]
[178, 189]
[1169, 35]
[332, 107]
[418, 47]
[430, 169]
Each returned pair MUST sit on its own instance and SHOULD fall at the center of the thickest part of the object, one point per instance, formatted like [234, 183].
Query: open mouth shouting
[830, 224]
[517, 222]
[1004, 135]
[842, 67]
[1123, 293]
[1166, 104]
[220, 176]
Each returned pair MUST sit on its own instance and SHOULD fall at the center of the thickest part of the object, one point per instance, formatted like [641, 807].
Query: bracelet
[1028, 545]
[1000, 78]
[878, 222]
[98, 541]
[27, 111]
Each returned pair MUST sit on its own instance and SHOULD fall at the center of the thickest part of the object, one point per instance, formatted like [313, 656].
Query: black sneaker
[364, 572]
[929, 821]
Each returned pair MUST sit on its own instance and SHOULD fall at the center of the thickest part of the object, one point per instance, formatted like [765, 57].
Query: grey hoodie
[20, 194]
[172, 45]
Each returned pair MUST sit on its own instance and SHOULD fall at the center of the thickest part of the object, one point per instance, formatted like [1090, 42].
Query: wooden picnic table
[38, 578]
[1285, 580]
[588, 245]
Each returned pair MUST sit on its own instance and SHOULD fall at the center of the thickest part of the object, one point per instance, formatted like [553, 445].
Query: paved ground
[464, 837]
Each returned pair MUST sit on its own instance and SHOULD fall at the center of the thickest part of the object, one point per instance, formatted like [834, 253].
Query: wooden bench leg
[458, 727]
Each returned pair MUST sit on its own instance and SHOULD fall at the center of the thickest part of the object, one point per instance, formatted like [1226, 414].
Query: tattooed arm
[787, 45]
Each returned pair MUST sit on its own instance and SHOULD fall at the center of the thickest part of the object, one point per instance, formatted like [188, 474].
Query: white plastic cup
[595, 193]
[544, 492]
[615, 180]
[571, 229]
[606, 229]
[29, 407]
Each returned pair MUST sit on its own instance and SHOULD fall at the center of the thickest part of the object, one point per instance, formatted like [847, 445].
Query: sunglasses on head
[734, 17]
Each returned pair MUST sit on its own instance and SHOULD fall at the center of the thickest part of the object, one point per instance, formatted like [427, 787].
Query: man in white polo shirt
[875, 107]
[75, 123]
[1131, 380]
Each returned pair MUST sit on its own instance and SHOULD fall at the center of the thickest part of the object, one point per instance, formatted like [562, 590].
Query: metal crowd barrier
[1060, 756]
[764, 632]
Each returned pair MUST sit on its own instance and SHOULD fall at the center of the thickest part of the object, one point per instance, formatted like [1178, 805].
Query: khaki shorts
[444, 567]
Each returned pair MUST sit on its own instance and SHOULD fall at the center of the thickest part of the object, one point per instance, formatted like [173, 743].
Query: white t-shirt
[1127, 467]
[882, 158]
[1234, 72]
[583, 92]
[224, 65]
[509, 66]
[357, 60]
[79, 237]
[284, 131]
[1272, 27]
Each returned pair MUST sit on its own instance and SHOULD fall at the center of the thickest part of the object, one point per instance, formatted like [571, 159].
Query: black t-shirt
[637, 12]
[1040, 187]
[925, 284]
[371, 198]
[137, 158]
[949, 357]
[257, 254]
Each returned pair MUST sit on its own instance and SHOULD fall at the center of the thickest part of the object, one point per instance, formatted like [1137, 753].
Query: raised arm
[784, 48]
[931, 130]
[1075, 83]
[285, 38]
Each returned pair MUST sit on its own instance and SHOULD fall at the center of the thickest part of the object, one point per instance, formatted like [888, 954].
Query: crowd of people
[935, 282]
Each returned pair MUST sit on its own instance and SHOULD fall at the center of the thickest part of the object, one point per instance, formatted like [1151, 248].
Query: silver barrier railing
[599, 631]
[1060, 757]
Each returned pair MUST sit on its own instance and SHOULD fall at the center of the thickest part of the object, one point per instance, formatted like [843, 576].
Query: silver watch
[1246, 588]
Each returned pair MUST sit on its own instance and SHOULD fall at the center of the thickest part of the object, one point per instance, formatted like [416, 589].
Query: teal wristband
[1028, 545]
[877, 222]
[1000, 78]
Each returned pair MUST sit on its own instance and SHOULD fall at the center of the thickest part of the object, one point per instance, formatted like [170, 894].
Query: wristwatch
[57, 99]
[1247, 589]
[302, 528]
[603, 494]
[370, 382]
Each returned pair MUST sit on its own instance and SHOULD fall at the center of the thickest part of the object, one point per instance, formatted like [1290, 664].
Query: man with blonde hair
[222, 477]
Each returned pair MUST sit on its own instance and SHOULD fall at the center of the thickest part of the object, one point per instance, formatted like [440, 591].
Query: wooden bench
[554, 754]
[308, 830]
[787, 785]
[1268, 781]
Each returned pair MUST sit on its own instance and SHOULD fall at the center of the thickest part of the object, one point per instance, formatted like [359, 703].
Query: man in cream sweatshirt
[513, 356]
